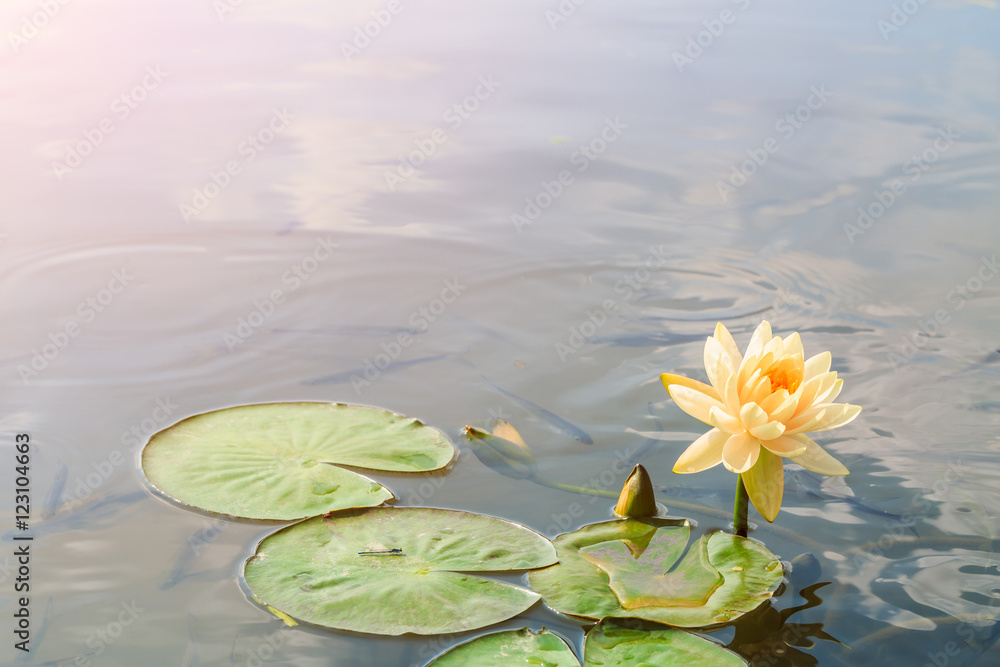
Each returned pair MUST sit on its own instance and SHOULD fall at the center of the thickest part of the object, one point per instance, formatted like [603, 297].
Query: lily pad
[413, 576]
[280, 460]
[638, 644]
[638, 568]
[515, 648]
[626, 643]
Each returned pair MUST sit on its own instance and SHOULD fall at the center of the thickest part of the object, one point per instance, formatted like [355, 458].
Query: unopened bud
[637, 499]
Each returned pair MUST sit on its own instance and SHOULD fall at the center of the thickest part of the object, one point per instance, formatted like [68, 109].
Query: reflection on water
[766, 637]
[859, 231]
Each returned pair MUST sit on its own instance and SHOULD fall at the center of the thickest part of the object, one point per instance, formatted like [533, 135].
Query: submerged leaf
[280, 460]
[507, 457]
[392, 571]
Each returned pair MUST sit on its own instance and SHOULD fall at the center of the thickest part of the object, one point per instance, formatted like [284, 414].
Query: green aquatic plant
[393, 571]
[282, 460]
[627, 643]
[510, 647]
[637, 498]
[644, 568]
[351, 564]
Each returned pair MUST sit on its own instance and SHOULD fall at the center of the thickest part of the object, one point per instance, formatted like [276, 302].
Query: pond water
[215, 202]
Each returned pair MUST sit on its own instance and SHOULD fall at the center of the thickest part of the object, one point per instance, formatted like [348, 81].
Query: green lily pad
[626, 643]
[280, 460]
[645, 578]
[638, 568]
[515, 648]
[637, 644]
[414, 578]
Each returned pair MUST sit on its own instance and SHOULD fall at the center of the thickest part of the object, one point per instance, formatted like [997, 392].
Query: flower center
[784, 377]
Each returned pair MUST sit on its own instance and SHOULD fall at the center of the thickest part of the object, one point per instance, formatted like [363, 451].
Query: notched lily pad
[515, 648]
[644, 568]
[413, 576]
[281, 460]
[647, 577]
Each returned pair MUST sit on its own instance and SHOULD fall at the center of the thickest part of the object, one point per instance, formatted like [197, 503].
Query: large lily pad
[638, 568]
[280, 460]
[414, 578]
[638, 644]
[626, 643]
[516, 648]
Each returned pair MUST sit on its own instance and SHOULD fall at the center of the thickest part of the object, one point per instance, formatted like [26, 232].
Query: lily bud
[637, 499]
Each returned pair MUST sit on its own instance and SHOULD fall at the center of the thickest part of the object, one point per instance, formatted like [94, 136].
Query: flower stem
[740, 508]
[576, 489]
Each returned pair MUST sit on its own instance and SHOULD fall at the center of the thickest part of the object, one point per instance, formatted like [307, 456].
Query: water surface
[592, 206]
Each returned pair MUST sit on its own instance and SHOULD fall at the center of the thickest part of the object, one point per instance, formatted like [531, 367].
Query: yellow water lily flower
[761, 405]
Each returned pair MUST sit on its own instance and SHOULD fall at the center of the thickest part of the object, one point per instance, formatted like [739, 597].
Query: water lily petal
[743, 386]
[703, 453]
[817, 460]
[759, 391]
[784, 445]
[838, 415]
[746, 369]
[761, 335]
[816, 365]
[793, 344]
[722, 375]
[822, 417]
[740, 452]
[693, 402]
[776, 399]
[830, 394]
[723, 336]
[810, 389]
[765, 484]
[755, 366]
[808, 420]
[724, 421]
[716, 363]
[731, 396]
[780, 405]
[775, 347]
[669, 378]
[752, 415]
[768, 431]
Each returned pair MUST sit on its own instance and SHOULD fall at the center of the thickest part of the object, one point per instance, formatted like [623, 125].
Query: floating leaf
[638, 568]
[625, 643]
[647, 578]
[515, 648]
[412, 578]
[280, 460]
[637, 644]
